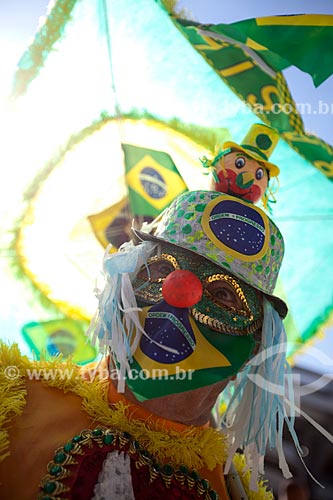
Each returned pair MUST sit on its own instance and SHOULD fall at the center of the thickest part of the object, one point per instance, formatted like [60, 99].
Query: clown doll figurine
[244, 170]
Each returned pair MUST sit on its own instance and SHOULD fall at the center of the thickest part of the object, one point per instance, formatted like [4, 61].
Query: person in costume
[187, 311]
[244, 170]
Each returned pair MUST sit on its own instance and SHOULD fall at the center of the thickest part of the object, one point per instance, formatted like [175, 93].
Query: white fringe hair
[116, 323]
[261, 401]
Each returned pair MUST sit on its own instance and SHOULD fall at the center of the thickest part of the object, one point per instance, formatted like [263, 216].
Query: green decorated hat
[236, 235]
[259, 143]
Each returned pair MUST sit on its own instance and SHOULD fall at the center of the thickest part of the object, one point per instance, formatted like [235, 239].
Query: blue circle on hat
[153, 183]
[237, 227]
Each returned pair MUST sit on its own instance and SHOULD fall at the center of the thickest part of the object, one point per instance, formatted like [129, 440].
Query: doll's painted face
[198, 345]
[241, 175]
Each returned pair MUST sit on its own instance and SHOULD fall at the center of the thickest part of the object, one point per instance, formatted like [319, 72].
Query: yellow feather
[194, 447]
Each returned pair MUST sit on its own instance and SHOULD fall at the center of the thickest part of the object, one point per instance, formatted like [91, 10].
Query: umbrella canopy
[98, 124]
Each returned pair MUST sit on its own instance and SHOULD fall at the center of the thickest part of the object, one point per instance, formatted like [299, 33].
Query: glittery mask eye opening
[148, 282]
[228, 307]
[158, 268]
[226, 292]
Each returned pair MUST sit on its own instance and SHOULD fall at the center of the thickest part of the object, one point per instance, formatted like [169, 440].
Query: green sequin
[49, 487]
[189, 216]
[68, 447]
[183, 469]
[97, 432]
[168, 470]
[225, 264]
[60, 458]
[145, 454]
[55, 470]
[187, 229]
[77, 439]
[194, 475]
[108, 439]
[205, 484]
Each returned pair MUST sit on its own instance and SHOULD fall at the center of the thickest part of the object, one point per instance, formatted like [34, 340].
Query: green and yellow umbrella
[111, 125]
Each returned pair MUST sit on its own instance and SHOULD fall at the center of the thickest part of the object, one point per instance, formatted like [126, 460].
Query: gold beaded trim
[215, 324]
[158, 258]
[165, 256]
[149, 296]
[225, 277]
[58, 469]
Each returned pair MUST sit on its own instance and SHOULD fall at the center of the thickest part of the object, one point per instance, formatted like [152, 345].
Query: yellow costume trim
[196, 447]
[245, 475]
[12, 393]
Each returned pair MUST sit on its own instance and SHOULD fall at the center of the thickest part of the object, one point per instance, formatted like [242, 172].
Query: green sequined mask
[228, 305]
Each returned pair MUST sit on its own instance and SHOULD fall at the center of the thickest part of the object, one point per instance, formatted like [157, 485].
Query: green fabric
[254, 75]
[33, 59]
[299, 40]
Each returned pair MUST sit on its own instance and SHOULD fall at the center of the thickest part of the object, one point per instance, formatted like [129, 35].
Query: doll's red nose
[182, 289]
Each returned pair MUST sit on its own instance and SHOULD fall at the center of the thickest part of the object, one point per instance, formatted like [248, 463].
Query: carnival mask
[190, 345]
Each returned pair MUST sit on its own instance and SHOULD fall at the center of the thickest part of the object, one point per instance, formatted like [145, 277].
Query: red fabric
[86, 472]
[157, 489]
[86, 475]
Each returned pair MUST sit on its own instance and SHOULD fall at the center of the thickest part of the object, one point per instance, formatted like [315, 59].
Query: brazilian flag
[152, 179]
[113, 224]
[297, 40]
[59, 336]
[249, 57]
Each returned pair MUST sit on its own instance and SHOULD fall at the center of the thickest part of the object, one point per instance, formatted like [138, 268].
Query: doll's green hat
[234, 234]
[259, 143]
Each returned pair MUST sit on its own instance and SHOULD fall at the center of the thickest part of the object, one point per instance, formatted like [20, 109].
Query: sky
[19, 21]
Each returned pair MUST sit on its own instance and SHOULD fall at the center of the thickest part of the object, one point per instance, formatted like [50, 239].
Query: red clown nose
[182, 289]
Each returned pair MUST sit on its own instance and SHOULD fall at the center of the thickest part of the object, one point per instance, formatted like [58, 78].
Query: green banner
[283, 41]
[252, 70]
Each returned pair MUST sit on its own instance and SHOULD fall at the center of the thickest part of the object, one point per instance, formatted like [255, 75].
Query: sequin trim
[223, 327]
[52, 487]
[238, 290]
